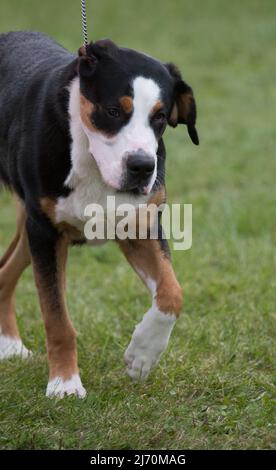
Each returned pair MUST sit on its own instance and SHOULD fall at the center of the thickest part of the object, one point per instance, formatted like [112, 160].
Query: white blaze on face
[110, 153]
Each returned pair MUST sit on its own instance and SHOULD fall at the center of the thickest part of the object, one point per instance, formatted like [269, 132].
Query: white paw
[140, 360]
[59, 388]
[148, 342]
[11, 347]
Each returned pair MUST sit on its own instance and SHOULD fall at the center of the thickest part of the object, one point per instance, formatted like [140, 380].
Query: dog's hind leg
[20, 220]
[16, 259]
[9, 250]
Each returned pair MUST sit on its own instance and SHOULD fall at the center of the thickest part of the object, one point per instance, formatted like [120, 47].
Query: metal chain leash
[84, 23]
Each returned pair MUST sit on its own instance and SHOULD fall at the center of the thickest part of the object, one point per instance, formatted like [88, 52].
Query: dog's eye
[113, 112]
[159, 118]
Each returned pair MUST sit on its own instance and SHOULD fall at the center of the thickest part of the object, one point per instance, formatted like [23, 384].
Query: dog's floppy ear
[104, 48]
[87, 61]
[184, 108]
[90, 55]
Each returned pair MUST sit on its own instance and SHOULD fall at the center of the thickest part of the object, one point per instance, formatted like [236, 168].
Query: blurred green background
[214, 387]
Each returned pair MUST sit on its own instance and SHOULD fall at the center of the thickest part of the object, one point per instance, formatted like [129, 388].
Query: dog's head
[127, 100]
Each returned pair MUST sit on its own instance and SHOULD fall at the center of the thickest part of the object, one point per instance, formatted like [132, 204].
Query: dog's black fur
[34, 130]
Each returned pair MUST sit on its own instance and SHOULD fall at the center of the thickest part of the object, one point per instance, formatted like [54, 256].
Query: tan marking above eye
[159, 105]
[127, 104]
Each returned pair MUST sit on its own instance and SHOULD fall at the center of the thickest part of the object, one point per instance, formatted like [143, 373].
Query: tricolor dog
[75, 129]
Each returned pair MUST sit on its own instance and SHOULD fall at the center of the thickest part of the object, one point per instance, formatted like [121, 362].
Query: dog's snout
[140, 167]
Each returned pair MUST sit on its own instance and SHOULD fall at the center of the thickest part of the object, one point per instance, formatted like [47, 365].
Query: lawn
[214, 386]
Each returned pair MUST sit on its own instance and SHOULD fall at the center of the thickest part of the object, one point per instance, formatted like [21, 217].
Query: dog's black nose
[140, 167]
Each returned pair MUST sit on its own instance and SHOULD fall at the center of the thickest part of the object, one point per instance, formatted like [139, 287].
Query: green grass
[214, 386]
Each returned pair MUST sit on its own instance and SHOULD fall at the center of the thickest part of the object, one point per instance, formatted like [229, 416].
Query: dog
[74, 129]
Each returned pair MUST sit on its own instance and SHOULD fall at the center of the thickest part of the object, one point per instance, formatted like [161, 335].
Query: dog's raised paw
[59, 388]
[140, 360]
[149, 341]
[12, 347]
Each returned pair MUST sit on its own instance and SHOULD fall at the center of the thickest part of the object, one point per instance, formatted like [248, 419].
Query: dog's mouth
[136, 191]
[121, 184]
[136, 188]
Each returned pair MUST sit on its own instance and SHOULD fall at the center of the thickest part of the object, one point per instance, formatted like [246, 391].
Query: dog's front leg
[150, 259]
[49, 254]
